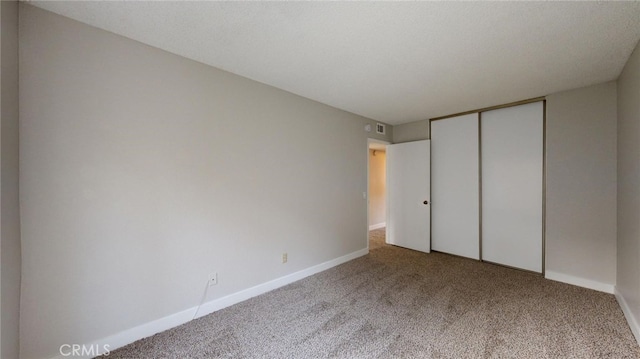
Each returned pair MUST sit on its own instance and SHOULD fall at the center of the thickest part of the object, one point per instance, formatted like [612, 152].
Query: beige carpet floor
[377, 238]
[398, 303]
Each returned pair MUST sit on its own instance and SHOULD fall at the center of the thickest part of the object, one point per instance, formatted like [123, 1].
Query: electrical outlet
[284, 258]
[213, 279]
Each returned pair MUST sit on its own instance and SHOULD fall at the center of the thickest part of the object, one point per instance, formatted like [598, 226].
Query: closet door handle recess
[425, 202]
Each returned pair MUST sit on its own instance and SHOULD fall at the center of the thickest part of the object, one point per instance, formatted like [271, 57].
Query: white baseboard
[580, 282]
[243, 295]
[633, 322]
[376, 226]
[129, 336]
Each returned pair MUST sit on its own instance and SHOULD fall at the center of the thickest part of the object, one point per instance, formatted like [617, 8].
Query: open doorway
[376, 193]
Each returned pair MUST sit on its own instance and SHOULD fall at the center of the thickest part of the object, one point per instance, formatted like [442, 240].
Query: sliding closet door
[512, 167]
[454, 186]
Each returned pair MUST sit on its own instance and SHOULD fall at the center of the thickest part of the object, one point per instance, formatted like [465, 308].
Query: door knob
[425, 202]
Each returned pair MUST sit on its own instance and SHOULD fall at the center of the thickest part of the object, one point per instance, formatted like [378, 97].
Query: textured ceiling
[395, 62]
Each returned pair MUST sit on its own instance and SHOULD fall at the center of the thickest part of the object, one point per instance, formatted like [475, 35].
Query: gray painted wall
[10, 211]
[581, 183]
[413, 131]
[628, 264]
[142, 172]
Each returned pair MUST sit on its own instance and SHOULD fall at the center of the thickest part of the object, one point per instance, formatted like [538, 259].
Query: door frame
[366, 194]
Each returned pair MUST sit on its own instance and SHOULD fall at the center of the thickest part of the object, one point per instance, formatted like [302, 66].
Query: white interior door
[512, 150]
[455, 186]
[408, 223]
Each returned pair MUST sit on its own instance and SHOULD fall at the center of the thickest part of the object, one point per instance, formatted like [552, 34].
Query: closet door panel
[454, 186]
[512, 168]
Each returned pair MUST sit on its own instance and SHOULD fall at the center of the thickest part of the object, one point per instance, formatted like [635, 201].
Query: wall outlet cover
[213, 279]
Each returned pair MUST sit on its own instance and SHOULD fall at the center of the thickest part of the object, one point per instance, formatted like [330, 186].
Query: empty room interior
[319, 179]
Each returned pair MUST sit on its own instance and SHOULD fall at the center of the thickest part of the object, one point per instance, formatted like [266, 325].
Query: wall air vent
[380, 128]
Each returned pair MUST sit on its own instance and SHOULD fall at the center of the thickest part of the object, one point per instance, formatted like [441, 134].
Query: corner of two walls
[628, 206]
[10, 261]
[142, 172]
[581, 186]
